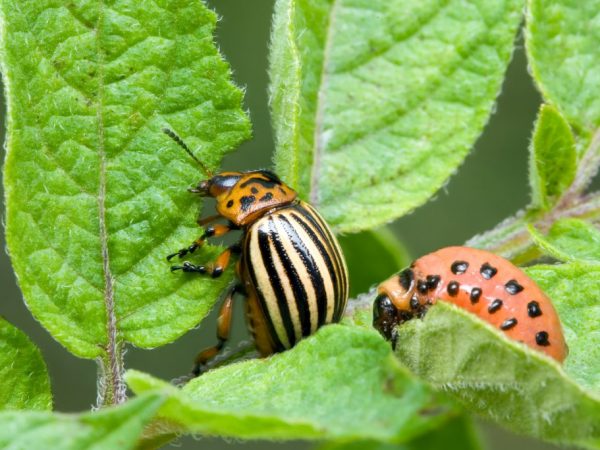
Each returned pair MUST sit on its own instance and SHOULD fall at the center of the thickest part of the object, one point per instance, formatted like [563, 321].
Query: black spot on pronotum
[495, 306]
[475, 295]
[265, 198]
[513, 288]
[406, 278]
[269, 184]
[459, 267]
[433, 281]
[254, 190]
[487, 271]
[230, 203]
[508, 324]
[422, 286]
[541, 338]
[533, 309]
[246, 201]
[452, 288]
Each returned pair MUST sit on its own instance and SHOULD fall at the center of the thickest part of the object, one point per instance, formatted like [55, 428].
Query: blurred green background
[490, 186]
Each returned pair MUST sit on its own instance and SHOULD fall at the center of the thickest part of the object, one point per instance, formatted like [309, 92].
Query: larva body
[479, 281]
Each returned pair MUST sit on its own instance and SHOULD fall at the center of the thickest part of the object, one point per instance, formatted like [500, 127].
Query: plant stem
[511, 238]
[111, 385]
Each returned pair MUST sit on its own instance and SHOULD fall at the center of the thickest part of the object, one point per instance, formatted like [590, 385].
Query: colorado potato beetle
[478, 281]
[290, 268]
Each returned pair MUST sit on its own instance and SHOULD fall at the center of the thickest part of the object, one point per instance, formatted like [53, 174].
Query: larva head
[244, 196]
[393, 304]
[385, 316]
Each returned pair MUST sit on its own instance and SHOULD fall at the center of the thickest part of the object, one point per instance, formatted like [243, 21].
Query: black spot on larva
[246, 201]
[453, 288]
[406, 278]
[265, 198]
[422, 286]
[487, 271]
[282, 190]
[230, 203]
[459, 267]
[475, 295]
[414, 302]
[254, 190]
[541, 338]
[533, 309]
[433, 281]
[508, 324]
[495, 306]
[513, 288]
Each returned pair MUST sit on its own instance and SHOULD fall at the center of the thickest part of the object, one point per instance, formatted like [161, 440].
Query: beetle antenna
[182, 144]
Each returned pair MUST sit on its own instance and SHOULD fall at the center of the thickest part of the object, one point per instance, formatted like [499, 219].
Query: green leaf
[553, 158]
[575, 292]
[24, 382]
[570, 240]
[458, 434]
[111, 428]
[376, 103]
[96, 193]
[499, 378]
[372, 256]
[341, 383]
[563, 45]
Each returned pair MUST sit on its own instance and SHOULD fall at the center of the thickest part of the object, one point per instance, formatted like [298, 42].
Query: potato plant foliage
[361, 92]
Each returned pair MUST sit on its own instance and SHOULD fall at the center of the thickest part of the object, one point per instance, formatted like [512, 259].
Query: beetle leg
[216, 269]
[212, 231]
[223, 332]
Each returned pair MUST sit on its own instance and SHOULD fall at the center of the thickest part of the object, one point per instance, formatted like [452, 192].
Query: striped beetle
[291, 269]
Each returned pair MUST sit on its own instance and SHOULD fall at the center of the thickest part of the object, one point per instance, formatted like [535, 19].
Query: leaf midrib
[112, 352]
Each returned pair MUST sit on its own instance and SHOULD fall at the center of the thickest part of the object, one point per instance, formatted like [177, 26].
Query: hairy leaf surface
[499, 378]
[458, 434]
[341, 383]
[96, 193]
[112, 428]
[376, 103]
[553, 158]
[570, 240]
[24, 382]
[575, 292]
[563, 45]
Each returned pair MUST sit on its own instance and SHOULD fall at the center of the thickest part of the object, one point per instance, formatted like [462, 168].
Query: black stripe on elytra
[318, 241]
[300, 295]
[340, 301]
[311, 267]
[264, 237]
[340, 304]
[255, 180]
[247, 262]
